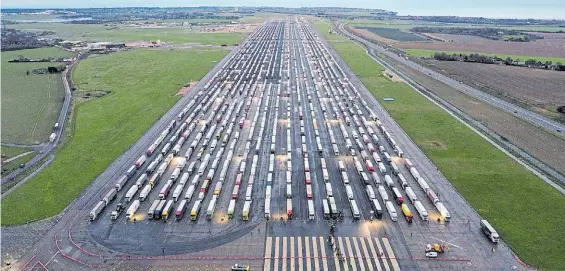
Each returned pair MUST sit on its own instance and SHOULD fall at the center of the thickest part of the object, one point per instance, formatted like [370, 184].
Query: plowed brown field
[553, 45]
[545, 146]
[532, 86]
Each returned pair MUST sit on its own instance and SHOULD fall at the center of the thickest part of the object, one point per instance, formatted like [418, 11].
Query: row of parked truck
[223, 113]
[157, 167]
[365, 136]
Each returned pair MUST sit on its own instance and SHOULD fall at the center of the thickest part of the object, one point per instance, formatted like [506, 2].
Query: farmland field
[408, 24]
[551, 46]
[394, 34]
[522, 58]
[471, 164]
[541, 90]
[30, 103]
[370, 35]
[547, 147]
[143, 85]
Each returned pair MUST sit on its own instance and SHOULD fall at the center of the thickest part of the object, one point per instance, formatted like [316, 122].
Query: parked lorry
[377, 208]
[131, 192]
[410, 194]
[443, 211]
[397, 196]
[121, 182]
[167, 210]
[407, 213]
[489, 231]
[97, 210]
[391, 211]
[110, 195]
[141, 180]
[119, 209]
[422, 212]
[132, 209]
[144, 192]
[382, 193]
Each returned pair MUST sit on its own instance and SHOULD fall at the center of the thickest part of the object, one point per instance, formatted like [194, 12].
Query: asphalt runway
[284, 101]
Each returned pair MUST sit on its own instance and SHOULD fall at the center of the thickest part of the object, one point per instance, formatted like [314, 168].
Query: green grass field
[105, 33]
[524, 209]
[430, 53]
[170, 34]
[30, 103]
[201, 20]
[260, 17]
[324, 27]
[65, 31]
[144, 84]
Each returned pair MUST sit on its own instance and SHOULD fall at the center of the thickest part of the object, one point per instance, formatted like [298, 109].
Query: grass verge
[9, 152]
[143, 84]
[523, 208]
[430, 53]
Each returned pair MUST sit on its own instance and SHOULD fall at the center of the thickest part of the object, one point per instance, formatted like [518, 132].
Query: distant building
[105, 45]
[70, 44]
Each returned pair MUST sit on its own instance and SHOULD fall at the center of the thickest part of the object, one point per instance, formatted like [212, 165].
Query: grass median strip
[523, 208]
[143, 85]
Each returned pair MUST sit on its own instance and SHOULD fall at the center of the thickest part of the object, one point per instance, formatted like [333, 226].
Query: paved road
[16, 157]
[522, 113]
[301, 111]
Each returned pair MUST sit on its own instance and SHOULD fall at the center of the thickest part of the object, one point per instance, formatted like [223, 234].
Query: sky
[541, 9]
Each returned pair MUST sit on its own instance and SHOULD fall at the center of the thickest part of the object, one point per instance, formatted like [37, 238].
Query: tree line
[16, 40]
[485, 59]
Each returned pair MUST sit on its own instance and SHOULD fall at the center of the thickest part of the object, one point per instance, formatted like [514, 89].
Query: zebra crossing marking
[308, 259]
[359, 254]
[349, 253]
[323, 251]
[381, 252]
[277, 253]
[284, 258]
[366, 253]
[267, 264]
[391, 256]
[300, 259]
[315, 251]
[342, 251]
